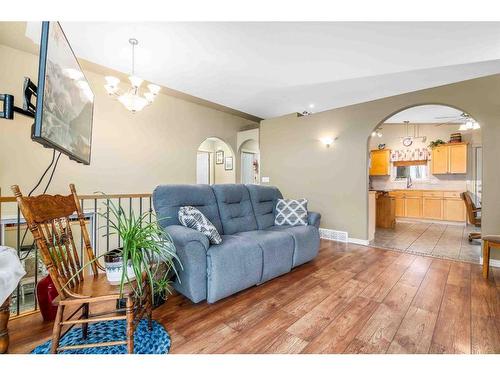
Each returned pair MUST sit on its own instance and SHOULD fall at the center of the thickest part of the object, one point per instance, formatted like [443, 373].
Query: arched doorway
[421, 159]
[215, 162]
[250, 162]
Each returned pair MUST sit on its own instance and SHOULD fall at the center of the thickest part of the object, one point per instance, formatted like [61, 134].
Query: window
[415, 172]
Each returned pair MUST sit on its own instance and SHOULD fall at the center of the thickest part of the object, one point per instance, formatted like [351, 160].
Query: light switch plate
[265, 179]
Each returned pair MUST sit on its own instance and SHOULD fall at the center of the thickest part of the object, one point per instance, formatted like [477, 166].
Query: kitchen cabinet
[400, 206]
[432, 205]
[432, 208]
[458, 158]
[450, 158]
[380, 162]
[385, 211]
[453, 207]
[413, 204]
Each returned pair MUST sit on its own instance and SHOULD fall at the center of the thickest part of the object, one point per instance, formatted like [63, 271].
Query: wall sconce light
[327, 141]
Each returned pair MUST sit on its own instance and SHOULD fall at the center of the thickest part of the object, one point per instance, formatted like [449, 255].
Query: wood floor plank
[285, 343]
[306, 302]
[208, 342]
[351, 298]
[485, 335]
[342, 330]
[257, 338]
[369, 274]
[430, 293]
[414, 335]
[378, 333]
[313, 323]
[452, 333]
[484, 293]
[382, 285]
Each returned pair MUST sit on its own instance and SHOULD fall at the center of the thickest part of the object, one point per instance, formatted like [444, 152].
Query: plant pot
[46, 293]
[113, 262]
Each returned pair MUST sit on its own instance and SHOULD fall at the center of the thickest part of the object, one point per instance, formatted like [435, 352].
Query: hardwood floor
[350, 299]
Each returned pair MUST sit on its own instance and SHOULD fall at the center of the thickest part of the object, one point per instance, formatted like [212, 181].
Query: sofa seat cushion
[277, 251]
[233, 265]
[306, 241]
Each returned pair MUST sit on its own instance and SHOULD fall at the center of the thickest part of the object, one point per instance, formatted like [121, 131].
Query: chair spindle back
[49, 219]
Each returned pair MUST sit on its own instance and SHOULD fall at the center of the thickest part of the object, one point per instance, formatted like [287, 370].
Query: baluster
[18, 246]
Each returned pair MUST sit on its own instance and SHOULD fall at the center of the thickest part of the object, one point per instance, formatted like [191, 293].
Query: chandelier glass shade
[132, 99]
[469, 125]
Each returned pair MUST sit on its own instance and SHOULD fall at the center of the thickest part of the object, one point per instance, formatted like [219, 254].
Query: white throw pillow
[192, 218]
[291, 212]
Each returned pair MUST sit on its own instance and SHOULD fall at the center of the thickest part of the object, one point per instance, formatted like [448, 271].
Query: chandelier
[132, 98]
[469, 124]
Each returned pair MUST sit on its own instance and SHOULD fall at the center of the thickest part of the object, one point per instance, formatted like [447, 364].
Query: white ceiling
[426, 114]
[271, 69]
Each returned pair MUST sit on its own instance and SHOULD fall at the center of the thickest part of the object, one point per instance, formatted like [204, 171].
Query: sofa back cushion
[235, 208]
[264, 199]
[167, 199]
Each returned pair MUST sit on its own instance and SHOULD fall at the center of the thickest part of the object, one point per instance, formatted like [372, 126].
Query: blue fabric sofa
[253, 249]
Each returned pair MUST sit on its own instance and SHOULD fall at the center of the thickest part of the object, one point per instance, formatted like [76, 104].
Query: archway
[250, 162]
[215, 162]
[421, 159]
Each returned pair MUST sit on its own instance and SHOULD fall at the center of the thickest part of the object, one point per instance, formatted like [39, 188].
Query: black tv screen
[65, 101]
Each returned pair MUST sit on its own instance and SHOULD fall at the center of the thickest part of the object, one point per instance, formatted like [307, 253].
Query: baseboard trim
[358, 241]
[493, 262]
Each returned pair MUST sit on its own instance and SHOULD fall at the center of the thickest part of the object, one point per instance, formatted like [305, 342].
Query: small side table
[489, 241]
[4, 320]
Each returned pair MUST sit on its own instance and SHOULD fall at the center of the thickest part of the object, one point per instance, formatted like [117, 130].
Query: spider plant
[147, 248]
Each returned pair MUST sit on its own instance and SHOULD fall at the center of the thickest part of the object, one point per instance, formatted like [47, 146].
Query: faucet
[409, 182]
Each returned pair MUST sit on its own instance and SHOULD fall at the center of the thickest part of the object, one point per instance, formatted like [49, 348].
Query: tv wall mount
[29, 108]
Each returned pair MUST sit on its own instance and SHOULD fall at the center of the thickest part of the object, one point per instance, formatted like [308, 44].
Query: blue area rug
[156, 341]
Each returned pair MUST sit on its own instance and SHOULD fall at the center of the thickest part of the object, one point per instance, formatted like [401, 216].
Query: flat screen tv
[65, 102]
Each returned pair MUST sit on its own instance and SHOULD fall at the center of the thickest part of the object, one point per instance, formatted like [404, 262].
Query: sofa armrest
[191, 247]
[313, 218]
[182, 236]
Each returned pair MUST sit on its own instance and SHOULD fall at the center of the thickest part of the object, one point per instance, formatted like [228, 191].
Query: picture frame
[228, 163]
[219, 157]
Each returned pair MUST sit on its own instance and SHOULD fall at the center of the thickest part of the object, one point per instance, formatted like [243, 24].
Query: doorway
[250, 160]
[203, 167]
[421, 160]
[215, 162]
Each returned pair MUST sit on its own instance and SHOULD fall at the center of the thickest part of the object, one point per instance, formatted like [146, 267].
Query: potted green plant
[436, 143]
[147, 250]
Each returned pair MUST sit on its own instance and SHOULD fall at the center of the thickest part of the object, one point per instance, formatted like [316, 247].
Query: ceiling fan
[464, 119]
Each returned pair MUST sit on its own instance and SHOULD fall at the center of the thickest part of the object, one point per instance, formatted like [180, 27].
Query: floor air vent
[334, 235]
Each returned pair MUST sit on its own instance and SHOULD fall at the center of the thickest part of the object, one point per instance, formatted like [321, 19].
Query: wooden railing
[14, 234]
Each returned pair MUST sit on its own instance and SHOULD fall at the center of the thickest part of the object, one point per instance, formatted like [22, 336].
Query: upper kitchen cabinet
[450, 158]
[380, 162]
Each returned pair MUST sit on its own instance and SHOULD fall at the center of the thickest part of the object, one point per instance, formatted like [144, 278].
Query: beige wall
[335, 179]
[131, 153]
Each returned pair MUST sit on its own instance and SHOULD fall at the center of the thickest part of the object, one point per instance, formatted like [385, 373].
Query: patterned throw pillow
[291, 212]
[192, 218]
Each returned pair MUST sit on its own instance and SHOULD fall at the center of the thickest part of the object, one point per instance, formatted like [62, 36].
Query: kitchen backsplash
[448, 182]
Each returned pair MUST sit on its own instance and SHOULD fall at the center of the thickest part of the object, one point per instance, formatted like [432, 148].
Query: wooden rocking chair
[48, 218]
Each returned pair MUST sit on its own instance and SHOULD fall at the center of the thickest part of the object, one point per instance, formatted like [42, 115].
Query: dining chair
[50, 218]
[473, 216]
